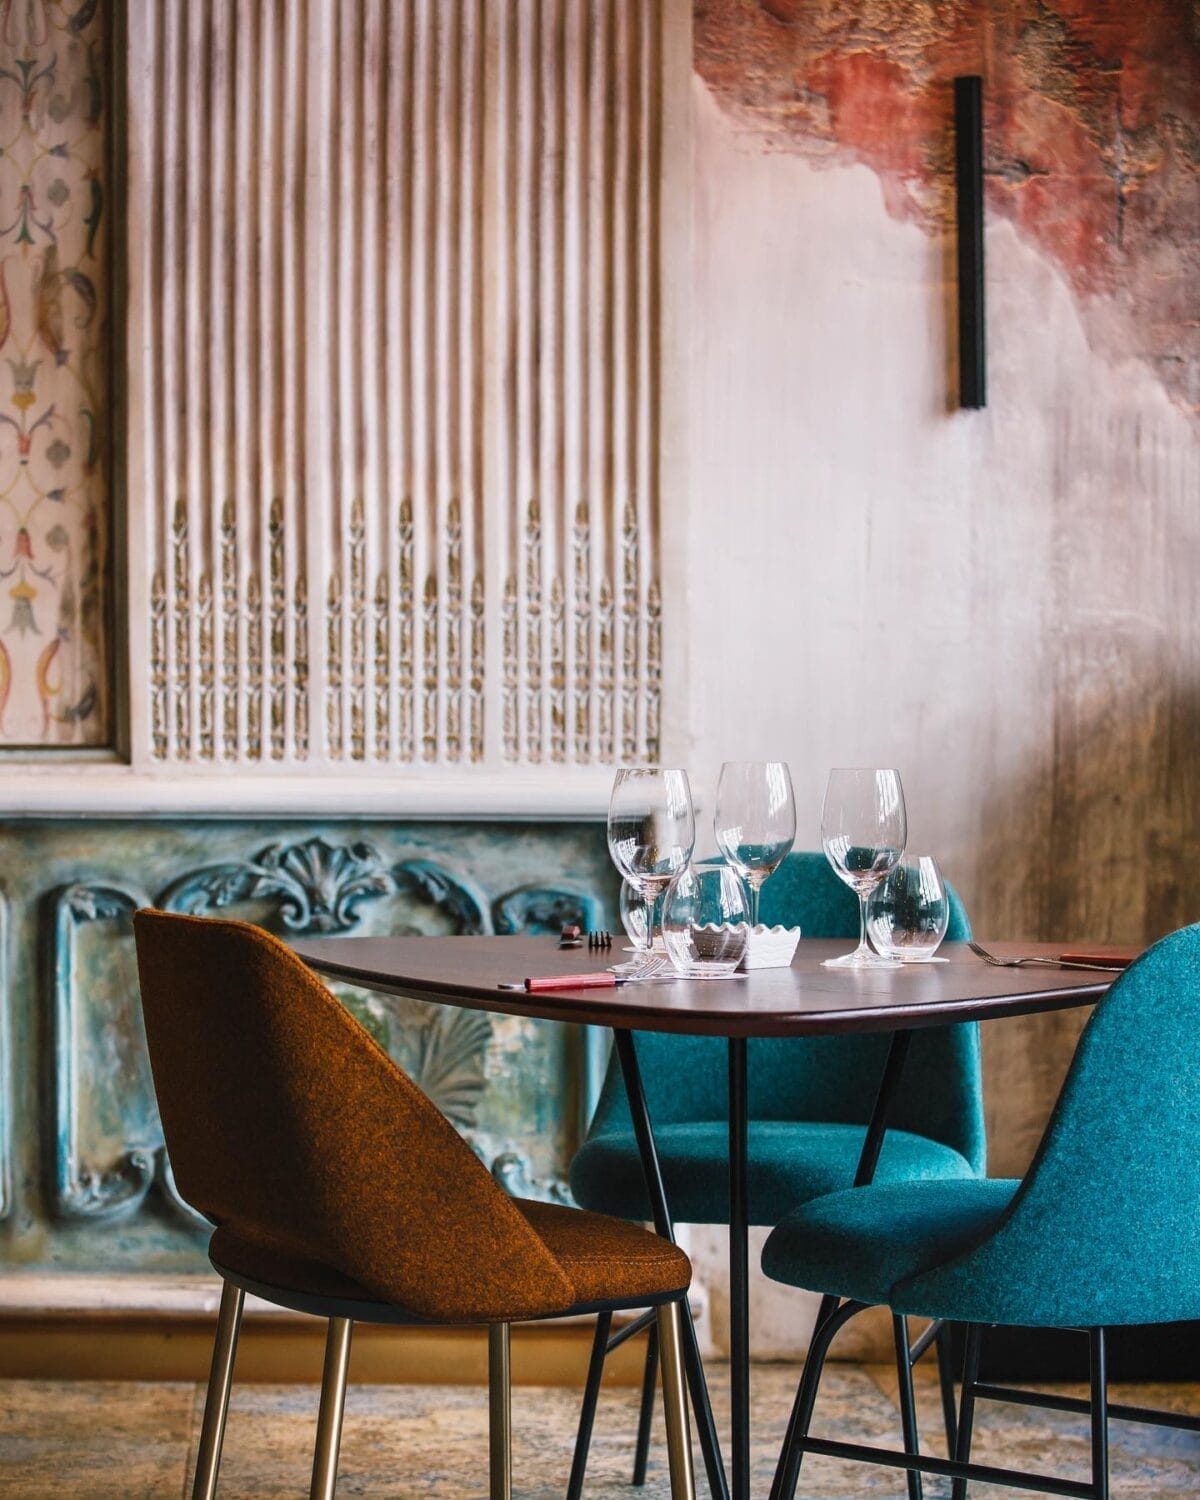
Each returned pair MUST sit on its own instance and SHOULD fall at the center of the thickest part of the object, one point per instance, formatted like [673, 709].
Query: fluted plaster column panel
[393, 384]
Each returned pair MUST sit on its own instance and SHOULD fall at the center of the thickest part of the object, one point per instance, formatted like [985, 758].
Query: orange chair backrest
[288, 1124]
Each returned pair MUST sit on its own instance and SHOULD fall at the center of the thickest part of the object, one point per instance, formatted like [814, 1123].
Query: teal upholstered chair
[810, 1101]
[1104, 1230]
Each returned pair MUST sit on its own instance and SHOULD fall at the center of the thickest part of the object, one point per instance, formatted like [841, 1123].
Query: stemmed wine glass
[651, 835]
[863, 830]
[755, 820]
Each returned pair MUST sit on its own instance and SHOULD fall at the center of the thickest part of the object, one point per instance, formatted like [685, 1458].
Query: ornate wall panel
[54, 397]
[393, 382]
[92, 1186]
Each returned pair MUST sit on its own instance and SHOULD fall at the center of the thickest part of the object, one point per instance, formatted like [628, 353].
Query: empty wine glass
[908, 914]
[863, 832]
[755, 820]
[651, 834]
[704, 921]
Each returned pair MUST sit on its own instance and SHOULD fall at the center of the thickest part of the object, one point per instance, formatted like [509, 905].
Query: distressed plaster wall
[1004, 604]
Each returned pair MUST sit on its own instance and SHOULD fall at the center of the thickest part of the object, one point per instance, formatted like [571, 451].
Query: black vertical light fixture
[968, 181]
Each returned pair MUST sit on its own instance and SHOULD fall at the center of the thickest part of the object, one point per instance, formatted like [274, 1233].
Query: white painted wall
[1002, 603]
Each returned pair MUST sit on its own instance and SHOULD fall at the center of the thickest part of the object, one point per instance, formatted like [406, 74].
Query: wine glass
[755, 820]
[863, 832]
[704, 921]
[908, 914]
[651, 835]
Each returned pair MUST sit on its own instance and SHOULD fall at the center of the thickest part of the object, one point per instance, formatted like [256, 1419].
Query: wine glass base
[860, 960]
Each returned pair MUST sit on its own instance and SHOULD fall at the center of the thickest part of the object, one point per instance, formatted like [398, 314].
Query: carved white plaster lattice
[394, 382]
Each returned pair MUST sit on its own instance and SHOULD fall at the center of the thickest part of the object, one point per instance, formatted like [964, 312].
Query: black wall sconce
[968, 179]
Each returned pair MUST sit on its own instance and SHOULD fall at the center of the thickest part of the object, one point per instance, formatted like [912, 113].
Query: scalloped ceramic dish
[770, 947]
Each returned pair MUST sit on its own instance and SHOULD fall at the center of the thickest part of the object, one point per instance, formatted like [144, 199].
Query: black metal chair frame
[959, 1467]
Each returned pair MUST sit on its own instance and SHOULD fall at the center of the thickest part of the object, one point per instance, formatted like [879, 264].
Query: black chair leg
[966, 1411]
[646, 1412]
[1099, 1393]
[945, 1361]
[787, 1471]
[827, 1308]
[908, 1403]
[587, 1413]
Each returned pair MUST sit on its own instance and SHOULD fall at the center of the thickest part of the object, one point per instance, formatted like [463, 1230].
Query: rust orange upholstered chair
[337, 1188]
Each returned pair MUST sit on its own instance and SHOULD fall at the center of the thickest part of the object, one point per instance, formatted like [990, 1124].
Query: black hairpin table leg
[639, 1114]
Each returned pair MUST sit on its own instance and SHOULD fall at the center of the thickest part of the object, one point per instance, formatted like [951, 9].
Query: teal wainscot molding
[85, 1182]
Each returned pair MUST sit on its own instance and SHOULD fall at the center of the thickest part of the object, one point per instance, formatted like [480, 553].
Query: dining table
[804, 999]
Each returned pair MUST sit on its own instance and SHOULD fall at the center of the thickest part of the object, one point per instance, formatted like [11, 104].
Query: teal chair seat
[789, 1161]
[860, 1242]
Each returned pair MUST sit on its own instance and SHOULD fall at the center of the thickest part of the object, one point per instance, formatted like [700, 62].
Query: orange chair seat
[609, 1263]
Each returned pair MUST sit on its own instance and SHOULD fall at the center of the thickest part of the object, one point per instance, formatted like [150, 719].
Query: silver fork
[656, 965]
[1023, 963]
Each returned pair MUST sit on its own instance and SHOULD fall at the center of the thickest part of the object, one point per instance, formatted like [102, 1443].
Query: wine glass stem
[656, 915]
[755, 888]
[863, 945]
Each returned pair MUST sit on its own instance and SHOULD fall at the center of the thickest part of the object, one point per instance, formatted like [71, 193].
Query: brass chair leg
[499, 1411]
[675, 1406]
[333, 1401]
[216, 1402]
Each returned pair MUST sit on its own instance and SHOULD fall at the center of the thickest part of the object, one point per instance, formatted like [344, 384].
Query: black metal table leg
[639, 1114]
[739, 1273]
[889, 1084]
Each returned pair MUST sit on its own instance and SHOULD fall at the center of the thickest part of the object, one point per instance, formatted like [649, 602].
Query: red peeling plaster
[1092, 130]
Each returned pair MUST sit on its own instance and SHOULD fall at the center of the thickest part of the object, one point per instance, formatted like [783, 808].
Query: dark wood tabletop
[803, 1000]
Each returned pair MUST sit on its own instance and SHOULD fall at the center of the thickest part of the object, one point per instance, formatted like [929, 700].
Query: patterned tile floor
[103, 1440]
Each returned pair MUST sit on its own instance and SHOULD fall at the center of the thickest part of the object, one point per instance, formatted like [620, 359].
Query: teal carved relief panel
[85, 1183]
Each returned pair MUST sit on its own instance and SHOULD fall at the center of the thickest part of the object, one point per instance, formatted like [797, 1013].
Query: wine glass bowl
[755, 820]
[705, 921]
[908, 914]
[864, 829]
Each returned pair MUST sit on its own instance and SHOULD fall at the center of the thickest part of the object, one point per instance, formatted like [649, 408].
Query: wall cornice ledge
[94, 791]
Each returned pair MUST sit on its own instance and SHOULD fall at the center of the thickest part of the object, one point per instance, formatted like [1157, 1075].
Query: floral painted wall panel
[54, 523]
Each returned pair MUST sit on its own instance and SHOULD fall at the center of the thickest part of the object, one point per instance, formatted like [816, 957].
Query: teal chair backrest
[1105, 1228]
[832, 1079]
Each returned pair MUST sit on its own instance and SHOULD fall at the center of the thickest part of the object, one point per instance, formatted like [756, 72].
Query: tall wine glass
[651, 835]
[863, 830]
[755, 820]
